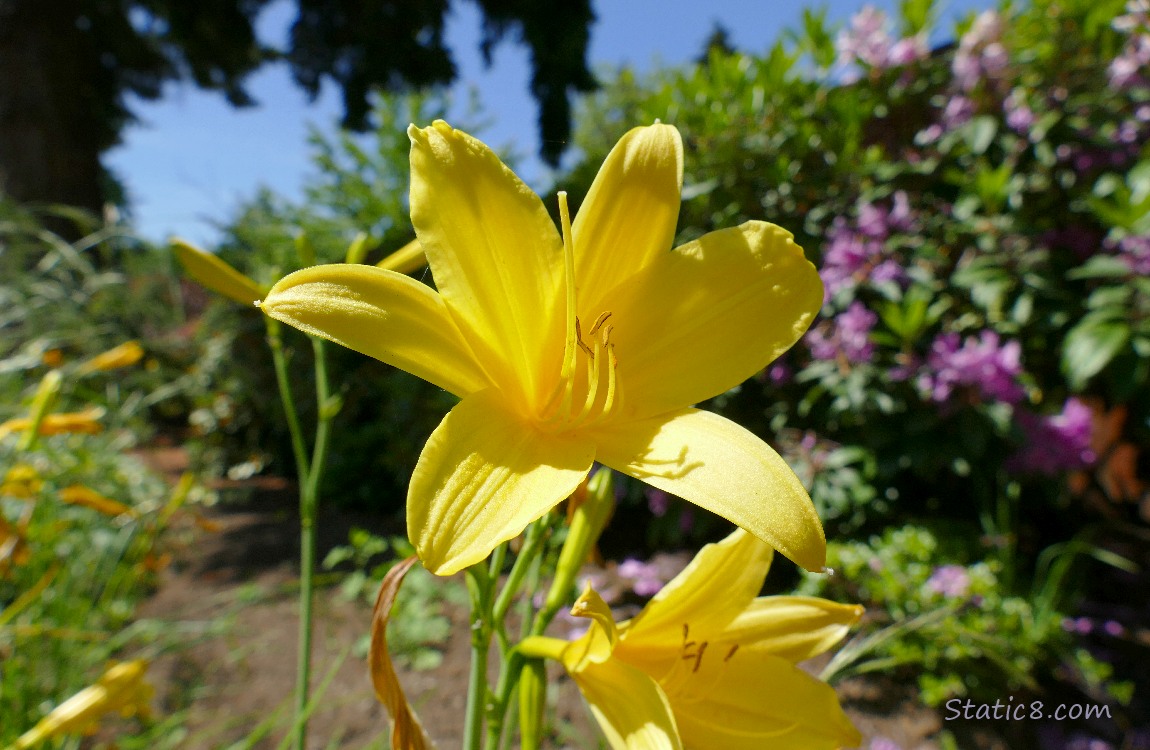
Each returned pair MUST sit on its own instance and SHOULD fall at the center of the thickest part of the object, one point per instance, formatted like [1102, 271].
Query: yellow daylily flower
[120, 689]
[209, 271]
[716, 659]
[86, 422]
[406, 259]
[590, 346]
[78, 494]
[124, 355]
[22, 481]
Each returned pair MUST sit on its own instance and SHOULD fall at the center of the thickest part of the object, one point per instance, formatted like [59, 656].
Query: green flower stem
[512, 663]
[299, 449]
[309, 474]
[479, 585]
[308, 504]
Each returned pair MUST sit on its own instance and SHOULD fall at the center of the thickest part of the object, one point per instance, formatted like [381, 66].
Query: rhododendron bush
[978, 199]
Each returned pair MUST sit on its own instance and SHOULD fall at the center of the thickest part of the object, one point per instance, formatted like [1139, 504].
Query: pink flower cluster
[951, 581]
[856, 254]
[1128, 68]
[1134, 251]
[981, 53]
[1054, 444]
[849, 336]
[981, 364]
[646, 578]
[868, 41]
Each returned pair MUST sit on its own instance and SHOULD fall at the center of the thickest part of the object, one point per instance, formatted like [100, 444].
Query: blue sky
[192, 158]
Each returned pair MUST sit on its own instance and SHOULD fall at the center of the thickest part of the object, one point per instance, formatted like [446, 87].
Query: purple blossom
[1019, 117]
[1125, 69]
[849, 338]
[980, 52]
[645, 578]
[1113, 628]
[779, 373]
[978, 363]
[855, 255]
[957, 113]
[909, 49]
[1054, 444]
[951, 581]
[657, 501]
[1134, 251]
[883, 743]
[867, 40]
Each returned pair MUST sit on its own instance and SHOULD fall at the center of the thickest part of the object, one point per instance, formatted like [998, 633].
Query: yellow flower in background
[406, 259]
[85, 422]
[121, 689]
[708, 664]
[13, 546]
[590, 346]
[209, 271]
[85, 497]
[124, 355]
[22, 481]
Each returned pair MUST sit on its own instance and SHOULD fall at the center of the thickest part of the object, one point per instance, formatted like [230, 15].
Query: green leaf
[1090, 346]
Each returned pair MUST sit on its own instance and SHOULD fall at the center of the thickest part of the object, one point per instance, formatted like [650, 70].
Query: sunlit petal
[495, 254]
[213, 273]
[792, 627]
[482, 477]
[628, 217]
[381, 314]
[629, 706]
[740, 562]
[718, 465]
[707, 316]
[749, 701]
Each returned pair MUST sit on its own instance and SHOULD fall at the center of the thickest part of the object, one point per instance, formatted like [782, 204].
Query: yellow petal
[628, 217]
[85, 422]
[705, 317]
[748, 701]
[597, 644]
[78, 494]
[121, 688]
[209, 271]
[629, 706]
[792, 627]
[718, 465]
[738, 564]
[406, 259]
[124, 355]
[482, 477]
[381, 314]
[406, 732]
[495, 254]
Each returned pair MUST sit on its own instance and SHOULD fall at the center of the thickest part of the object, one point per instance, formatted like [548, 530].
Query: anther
[579, 340]
[600, 321]
[731, 653]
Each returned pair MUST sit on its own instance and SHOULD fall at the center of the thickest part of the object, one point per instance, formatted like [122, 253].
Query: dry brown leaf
[406, 731]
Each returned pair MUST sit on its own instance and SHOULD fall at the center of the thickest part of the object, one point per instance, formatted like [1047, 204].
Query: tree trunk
[49, 137]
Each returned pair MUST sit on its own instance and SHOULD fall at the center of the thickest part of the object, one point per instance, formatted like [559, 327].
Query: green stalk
[309, 474]
[308, 504]
[479, 584]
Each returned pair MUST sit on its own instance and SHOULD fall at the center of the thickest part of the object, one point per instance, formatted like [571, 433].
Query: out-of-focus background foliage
[971, 412]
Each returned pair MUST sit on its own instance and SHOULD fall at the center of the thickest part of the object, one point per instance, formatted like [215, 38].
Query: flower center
[588, 391]
[682, 682]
